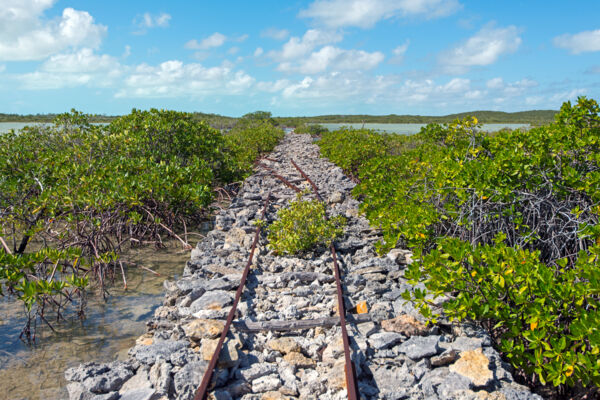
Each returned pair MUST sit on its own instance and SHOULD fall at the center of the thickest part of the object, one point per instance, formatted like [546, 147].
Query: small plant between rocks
[303, 226]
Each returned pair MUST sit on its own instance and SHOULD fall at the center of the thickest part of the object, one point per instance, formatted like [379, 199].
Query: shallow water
[109, 330]
[410, 129]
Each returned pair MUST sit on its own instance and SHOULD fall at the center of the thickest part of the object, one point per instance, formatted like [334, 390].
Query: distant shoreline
[532, 117]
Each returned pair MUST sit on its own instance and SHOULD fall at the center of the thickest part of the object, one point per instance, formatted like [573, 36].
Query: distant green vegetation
[84, 192]
[508, 224]
[537, 117]
[49, 118]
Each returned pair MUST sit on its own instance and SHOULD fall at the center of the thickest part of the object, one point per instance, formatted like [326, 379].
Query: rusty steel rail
[350, 371]
[281, 178]
[202, 390]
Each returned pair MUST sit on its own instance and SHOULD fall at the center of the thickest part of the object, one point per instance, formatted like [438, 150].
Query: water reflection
[110, 329]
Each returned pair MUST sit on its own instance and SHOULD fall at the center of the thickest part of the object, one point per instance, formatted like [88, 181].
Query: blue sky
[297, 57]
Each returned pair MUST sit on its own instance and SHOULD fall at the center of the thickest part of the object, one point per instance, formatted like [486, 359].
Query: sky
[428, 57]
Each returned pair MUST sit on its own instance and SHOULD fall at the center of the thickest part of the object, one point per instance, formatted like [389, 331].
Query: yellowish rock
[405, 324]
[145, 340]
[228, 357]
[284, 345]
[204, 328]
[474, 365]
[298, 359]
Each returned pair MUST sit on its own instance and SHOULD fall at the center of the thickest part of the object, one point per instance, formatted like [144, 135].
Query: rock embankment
[396, 355]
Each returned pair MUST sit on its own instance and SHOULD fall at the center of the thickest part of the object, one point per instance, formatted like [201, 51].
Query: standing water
[110, 328]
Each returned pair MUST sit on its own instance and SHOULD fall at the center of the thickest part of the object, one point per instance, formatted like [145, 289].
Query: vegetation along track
[286, 340]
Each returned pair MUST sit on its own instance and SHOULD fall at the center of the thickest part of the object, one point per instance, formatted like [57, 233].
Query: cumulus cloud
[300, 47]
[586, 41]
[484, 48]
[26, 35]
[366, 13]
[215, 40]
[258, 52]
[81, 68]
[334, 58]
[495, 83]
[274, 33]
[173, 78]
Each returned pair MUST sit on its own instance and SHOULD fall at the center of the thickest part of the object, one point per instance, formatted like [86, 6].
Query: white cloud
[484, 48]
[258, 52]
[2, 68]
[334, 58]
[233, 50]
[274, 33]
[83, 67]
[215, 40]
[299, 47]
[153, 21]
[175, 79]
[127, 51]
[586, 41]
[26, 35]
[495, 83]
[366, 13]
[399, 52]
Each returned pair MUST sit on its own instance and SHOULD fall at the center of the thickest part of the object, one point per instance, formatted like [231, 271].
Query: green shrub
[88, 190]
[544, 319]
[250, 138]
[507, 224]
[302, 226]
[314, 130]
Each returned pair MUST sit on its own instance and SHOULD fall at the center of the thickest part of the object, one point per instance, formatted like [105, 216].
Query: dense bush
[507, 224]
[83, 191]
[253, 135]
[302, 226]
[314, 130]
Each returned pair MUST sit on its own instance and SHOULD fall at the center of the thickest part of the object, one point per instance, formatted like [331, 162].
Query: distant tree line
[534, 117]
[222, 122]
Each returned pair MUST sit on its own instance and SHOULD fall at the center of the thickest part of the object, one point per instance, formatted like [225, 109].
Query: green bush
[314, 130]
[253, 136]
[85, 191]
[544, 319]
[302, 226]
[507, 224]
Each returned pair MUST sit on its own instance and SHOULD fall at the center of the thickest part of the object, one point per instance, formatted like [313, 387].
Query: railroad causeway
[286, 341]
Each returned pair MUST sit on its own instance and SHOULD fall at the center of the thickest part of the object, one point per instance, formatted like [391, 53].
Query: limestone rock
[284, 345]
[418, 347]
[447, 357]
[384, 340]
[228, 357]
[266, 384]
[405, 324]
[204, 328]
[474, 365]
[214, 300]
[298, 359]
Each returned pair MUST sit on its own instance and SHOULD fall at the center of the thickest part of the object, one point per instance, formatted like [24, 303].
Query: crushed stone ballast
[286, 340]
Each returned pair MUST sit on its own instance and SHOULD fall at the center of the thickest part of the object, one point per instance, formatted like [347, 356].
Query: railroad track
[279, 335]
[351, 384]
